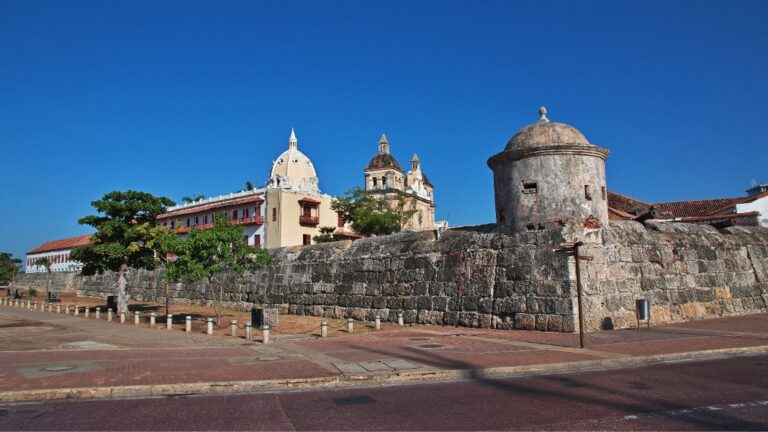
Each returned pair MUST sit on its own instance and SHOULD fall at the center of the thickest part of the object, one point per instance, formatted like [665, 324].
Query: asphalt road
[712, 395]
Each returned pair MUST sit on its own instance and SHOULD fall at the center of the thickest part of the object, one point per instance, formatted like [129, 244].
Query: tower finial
[543, 114]
[292, 141]
[383, 144]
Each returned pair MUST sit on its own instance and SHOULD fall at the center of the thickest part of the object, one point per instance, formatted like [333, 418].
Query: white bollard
[400, 318]
[98, 312]
[29, 304]
[2, 301]
[169, 322]
[109, 314]
[248, 332]
[66, 310]
[152, 317]
[34, 306]
[136, 318]
[188, 326]
[122, 317]
[50, 307]
[350, 325]
[233, 327]
[377, 322]
[77, 310]
[58, 308]
[209, 330]
[87, 309]
[265, 334]
[324, 329]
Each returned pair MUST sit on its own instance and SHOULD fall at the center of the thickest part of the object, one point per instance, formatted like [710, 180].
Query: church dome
[546, 133]
[383, 160]
[293, 169]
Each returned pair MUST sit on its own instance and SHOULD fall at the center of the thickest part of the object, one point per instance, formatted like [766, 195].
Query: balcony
[253, 220]
[309, 220]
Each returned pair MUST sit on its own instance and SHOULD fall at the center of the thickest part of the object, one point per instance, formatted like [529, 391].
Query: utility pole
[573, 249]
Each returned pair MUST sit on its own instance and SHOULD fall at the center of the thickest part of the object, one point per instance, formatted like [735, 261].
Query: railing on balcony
[309, 220]
[253, 220]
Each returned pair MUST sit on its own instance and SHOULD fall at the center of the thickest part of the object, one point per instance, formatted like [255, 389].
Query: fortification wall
[478, 278]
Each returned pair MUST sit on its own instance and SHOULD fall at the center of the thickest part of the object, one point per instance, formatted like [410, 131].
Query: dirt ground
[287, 324]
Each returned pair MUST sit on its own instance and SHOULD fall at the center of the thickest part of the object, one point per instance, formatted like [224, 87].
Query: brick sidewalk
[44, 351]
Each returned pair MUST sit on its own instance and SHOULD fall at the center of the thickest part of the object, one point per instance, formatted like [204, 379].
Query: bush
[32, 292]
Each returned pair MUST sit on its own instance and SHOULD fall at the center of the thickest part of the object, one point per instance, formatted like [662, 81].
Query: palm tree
[191, 199]
[45, 262]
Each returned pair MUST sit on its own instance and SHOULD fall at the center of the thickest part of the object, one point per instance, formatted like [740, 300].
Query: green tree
[9, 266]
[165, 245]
[45, 262]
[325, 236]
[211, 252]
[121, 241]
[191, 199]
[372, 215]
[248, 185]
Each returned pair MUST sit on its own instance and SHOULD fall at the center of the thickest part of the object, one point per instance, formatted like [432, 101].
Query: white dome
[293, 170]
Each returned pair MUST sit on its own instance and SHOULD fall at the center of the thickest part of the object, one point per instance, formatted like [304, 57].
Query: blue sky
[196, 97]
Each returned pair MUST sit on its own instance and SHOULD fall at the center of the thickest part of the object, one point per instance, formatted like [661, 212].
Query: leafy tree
[121, 240]
[9, 266]
[46, 263]
[211, 252]
[372, 215]
[191, 199]
[325, 236]
[165, 245]
[248, 185]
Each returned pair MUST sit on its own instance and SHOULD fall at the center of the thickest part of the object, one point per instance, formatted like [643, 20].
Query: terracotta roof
[696, 208]
[212, 206]
[309, 200]
[67, 243]
[626, 204]
[383, 161]
[341, 232]
[616, 214]
[718, 217]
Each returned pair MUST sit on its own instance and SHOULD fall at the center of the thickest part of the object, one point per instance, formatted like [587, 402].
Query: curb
[349, 381]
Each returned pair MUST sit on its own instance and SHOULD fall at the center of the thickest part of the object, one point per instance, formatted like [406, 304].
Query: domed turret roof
[383, 160]
[293, 169]
[545, 133]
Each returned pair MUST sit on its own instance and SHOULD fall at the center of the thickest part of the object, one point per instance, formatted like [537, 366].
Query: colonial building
[289, 211]
[385, 178]
[57, 253]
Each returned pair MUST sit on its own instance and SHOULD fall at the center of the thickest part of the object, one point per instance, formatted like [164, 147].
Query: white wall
[758, 205]
[60, 262]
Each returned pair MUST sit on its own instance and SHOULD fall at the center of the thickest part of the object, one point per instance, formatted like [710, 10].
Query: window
[587, 193]
[383, 182]
[187, 222]
[602, 192]
[205, 219]
[274, 214]
[197, 220]
[421, 218]
[307, 239]
[375, 182]
[307, 211]
[530, 187]
[173, 224]
[234, 214]
[340, 221]
[246, 212]
[257, 241]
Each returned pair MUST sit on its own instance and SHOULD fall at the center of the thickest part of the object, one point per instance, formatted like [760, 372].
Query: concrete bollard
[34, 306]
[136, 318]
[2, 301]
[77, 310]
[109, 314]
[98, 312]
[58, 308]
[29, 304]
[209, 328]
[324, 329]
[233, 327]
[400, 318]
[188, 324]
[377, 322]
[87, 309]
[265, 334]
[248, 332]
[122, 317]
[50, 307]
[152, 317]
[169, 322]
[350, 325]
[66, 310]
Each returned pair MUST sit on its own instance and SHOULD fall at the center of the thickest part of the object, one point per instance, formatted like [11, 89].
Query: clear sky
[196, 97]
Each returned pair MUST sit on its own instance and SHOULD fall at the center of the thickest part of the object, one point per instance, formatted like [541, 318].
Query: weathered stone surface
[477, 278]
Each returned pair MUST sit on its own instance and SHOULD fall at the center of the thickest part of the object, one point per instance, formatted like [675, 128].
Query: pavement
[49, 356]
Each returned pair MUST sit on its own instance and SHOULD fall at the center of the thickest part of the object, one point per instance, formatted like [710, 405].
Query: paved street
[710, 395]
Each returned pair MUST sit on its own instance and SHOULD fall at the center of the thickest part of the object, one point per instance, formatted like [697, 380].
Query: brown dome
[545, 133]
[383, 161]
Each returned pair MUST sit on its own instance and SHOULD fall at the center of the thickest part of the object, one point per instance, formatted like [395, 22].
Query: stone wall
[476, 277]
[67, 281]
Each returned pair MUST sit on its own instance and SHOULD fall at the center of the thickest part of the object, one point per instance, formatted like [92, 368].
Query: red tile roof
[719, 217]
[67, 243]
[696, 208]
[211, 206]
[616, 214]
[626, 204]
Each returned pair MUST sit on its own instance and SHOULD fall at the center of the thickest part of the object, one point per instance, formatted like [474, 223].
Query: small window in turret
[587, 193]
[602, 191]
[530, 187]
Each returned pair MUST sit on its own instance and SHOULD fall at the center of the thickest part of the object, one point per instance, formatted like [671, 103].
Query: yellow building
[384, 177]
